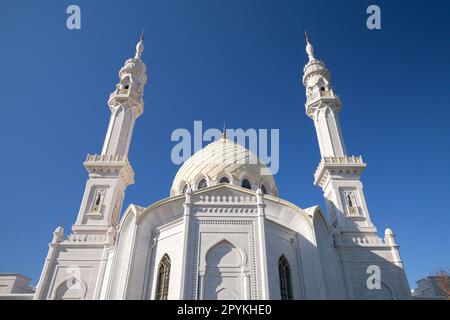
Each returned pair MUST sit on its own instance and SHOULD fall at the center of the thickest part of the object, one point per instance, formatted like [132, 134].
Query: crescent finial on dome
[309, 48]
[140, 46]
[224, 131]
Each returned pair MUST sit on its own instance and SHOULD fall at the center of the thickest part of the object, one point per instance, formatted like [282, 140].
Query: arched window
[99, 198]
[125, 84]
[97, 201]
[285, 278]
[224, 180]
[202, 184]
[162, 286]
[246, 184]
[263, 189]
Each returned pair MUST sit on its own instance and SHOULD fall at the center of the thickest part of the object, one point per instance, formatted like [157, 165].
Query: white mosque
[224, 232]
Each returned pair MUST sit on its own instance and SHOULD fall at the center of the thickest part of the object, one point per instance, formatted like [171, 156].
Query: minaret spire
[338, 174]
[110, 172]
[224, 131]
[322, 105]
[140, 46]
[309, 48]
[126, 103]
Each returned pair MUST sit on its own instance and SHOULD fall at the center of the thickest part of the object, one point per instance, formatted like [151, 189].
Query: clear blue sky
[236, 61]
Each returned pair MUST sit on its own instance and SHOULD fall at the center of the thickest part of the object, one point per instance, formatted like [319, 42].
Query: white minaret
[337, 174]
[76, 265]
[110, 172]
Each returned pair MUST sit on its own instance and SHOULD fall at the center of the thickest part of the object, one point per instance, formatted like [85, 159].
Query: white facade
[223, 233]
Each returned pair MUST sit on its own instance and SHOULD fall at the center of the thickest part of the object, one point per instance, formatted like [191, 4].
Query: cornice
[110, 164]
[330, 166]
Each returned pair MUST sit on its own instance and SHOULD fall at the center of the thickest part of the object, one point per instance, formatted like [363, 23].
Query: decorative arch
[322, 84]
[202, 184]
[247, 176]
[284, 273]
[71, 288]
[224, 179]
[199, 178]
[245, 183]
[384, 293]
[224, 175]
[270, 188]
[182, 187]
[125, 84]
[162, 284]
[264, 189]
[223, 245]
[226, 294]
[223, 276]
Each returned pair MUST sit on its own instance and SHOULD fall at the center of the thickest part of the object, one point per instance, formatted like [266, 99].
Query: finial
[140, 46]
[309, 48]
[224, 131]
[307, 36]
[388, 231]
[142, 35]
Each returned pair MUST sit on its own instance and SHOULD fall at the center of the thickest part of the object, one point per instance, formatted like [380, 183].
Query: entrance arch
[224, 277]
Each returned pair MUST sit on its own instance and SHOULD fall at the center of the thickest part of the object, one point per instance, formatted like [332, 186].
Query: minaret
[337, 174]
[82, 257]
[110, 172]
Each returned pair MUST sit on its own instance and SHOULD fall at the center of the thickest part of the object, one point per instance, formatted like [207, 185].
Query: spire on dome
[224, 131]
[309, 48]
[140, 46]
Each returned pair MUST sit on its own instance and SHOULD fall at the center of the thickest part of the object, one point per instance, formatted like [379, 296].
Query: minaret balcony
[124, 94]
[338, 166]
[110, 165]
[328, 95]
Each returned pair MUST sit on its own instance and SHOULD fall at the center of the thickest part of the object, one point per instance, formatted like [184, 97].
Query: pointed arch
[71, 288]
[221, 250]
[284, 271]
[223, 276]
[202, 184]
[162, 286]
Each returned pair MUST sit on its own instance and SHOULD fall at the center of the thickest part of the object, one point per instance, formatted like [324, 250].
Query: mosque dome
[224, 161]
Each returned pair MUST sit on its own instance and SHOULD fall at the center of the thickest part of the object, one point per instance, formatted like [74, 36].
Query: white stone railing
[104, 157]
[368, 241]
[343, 160]
[321, 94]
[91, 238]
[346, 160]
[211, 199]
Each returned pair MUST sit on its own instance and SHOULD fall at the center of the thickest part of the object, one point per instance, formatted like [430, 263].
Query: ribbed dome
[223, 160]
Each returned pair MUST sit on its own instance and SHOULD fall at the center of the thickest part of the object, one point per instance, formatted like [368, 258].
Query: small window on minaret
[99, 197]
[322, 88]
[352, 206]
[127, 87]
[97, 202]
[349, 199]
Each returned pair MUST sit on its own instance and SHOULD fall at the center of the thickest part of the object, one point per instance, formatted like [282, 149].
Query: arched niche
[71, 289]
[383, 293]
[224, 277]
